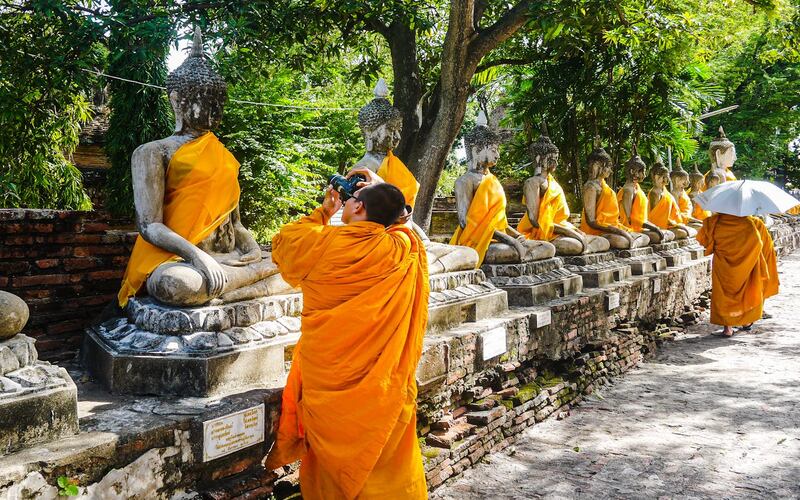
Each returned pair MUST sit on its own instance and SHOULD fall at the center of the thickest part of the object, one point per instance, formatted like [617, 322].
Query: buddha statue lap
[547, 213]
[381, 125]
[679, 178]
[633, 203]
[481, 205]
[664, 210]
[601, 215]
[192, 247]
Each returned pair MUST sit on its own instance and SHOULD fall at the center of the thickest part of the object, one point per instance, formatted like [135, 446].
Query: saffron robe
[744, 268]
[486, 214]
[698, 212]
[685, 206]
[349, 405]
[394, 171]
[665, 214]
[606, 213]
[553, 209]
[201, 190]
[639, 208]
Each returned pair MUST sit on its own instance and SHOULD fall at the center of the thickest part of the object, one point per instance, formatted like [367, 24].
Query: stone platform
[598, 269]
[642, 260]
[535, 282]
[672, 253]
[464, 296]
[691, 245]
[38, 401]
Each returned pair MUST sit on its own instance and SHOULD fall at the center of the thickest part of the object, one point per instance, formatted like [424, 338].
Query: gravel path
[709, 417]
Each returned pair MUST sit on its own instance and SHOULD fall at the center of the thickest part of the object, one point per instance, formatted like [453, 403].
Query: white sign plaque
[541, 318]
[494, 342]
[613, 300]
[236, 431]
[657, 285]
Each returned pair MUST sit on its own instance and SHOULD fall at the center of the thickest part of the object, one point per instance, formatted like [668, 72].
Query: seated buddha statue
[679, 178]
[481, 206]
[664, 210]
[547, 213]
[381, 125]
[698, 185]
[192, 248]
[722, 153]
[601, 216]
[633, 203]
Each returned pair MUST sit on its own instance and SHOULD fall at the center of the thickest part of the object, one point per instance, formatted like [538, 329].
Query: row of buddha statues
[194, 250]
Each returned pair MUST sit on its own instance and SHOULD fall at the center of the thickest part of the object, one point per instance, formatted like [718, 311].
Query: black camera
[344, 186]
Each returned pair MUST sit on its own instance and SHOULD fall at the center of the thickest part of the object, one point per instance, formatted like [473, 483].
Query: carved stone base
[461, 297]
[38, 401]
[691, 245]
[642, 260]
[672, 253]
[534, 282]
[598, 269]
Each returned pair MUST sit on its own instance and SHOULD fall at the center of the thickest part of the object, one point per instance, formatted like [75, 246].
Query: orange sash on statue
[744, 270]
[486, 214]
[665, 214]
[201, 190]
[698, 212]
[349, 405]
[553, 209]
[394, 171]
[606, 213]
[685, 206]
[639, 209]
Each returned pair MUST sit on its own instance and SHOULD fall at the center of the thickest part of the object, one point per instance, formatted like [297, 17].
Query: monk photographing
[349, 405]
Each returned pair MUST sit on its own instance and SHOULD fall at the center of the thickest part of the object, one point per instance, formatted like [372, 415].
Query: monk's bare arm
[531, 190]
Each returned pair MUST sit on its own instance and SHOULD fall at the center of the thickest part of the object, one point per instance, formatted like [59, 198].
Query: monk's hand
[372, 177]
[332, 202]
[211, 269]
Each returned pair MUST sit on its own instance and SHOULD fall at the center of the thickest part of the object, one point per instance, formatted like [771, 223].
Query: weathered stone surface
[8, 361]
[13, 314]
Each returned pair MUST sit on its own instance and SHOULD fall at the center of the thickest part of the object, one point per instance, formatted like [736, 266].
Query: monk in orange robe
[744, 268]
[349, 406]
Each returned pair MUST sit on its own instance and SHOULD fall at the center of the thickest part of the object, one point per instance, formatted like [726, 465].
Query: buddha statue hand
[211, 269]
[250, 257]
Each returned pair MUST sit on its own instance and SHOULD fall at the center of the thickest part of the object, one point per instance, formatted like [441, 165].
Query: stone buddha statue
[722, 153]
[381, 125]
[698, 184]
[679, 178]
[481, 206]
[601, 216]
[547, 213]
[192, 248]
[633, 203]
[664, 210]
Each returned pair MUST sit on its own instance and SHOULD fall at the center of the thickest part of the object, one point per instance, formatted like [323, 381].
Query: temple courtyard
[708, 417]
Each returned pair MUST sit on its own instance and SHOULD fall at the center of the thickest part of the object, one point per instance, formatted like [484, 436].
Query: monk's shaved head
[384, 203]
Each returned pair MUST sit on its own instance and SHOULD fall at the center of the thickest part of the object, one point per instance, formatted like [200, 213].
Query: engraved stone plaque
[657, 285]
[612, 301]
[230, 433]
[541, 318]
[494, 342]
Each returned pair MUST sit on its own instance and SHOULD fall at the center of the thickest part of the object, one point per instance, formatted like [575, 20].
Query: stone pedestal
[642, 260]
[535, 282]
[198, 351]
[38, 401]
[598, 269]
[463, 296]
[690, 245]
[672, 252]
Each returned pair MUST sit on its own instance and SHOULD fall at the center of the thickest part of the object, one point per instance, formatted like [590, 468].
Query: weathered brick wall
[67, 266]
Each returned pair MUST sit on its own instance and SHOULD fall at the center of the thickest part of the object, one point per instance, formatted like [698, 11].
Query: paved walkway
[709, 417]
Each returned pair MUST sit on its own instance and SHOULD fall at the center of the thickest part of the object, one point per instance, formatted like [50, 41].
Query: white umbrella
[747, 198]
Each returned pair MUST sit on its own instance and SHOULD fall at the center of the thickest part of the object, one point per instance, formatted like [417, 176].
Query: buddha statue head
[380, 122]
[679, 177]
[599, 163]
[660, 175]
[722, 151]
[635, 169]
[482, 145]
[713, 179]
[544, 154]
[197, 92]
[697, 180]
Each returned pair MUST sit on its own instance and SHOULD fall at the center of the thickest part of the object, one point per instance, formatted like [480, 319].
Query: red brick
[33, 294]
[94, 227]
[106, 275]
[3, 282]
[46, 263]
[14, 267]
[40, 227]
[65, 326]
[88, 251]
[19, 240]
[42, 279]
[10, 228]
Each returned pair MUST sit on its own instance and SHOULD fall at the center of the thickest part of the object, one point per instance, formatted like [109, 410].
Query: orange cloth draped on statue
[665, 214]
[744, 269]
[639, 209]
[698, 212]
[606, 213]
[486, 214]
[349, 405]
[395, 172]
[685, 206]
[201, 190]
[553, 209]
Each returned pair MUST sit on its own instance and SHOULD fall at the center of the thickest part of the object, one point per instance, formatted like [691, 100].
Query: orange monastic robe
[744, 269]
[685, 206]
[553, 209]
[606, 213]
[486, 214]
[665, 214]
[349, 405]
[698, 212]
[639, 208]
[394, 171]
[201, 190]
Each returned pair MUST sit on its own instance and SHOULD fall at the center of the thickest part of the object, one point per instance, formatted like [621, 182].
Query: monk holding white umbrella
[744, 269]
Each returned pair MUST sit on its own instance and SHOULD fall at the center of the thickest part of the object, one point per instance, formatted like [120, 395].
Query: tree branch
[501, 30]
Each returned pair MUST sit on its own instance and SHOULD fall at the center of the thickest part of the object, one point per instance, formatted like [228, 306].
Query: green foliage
[67, 487]
[45, 46]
